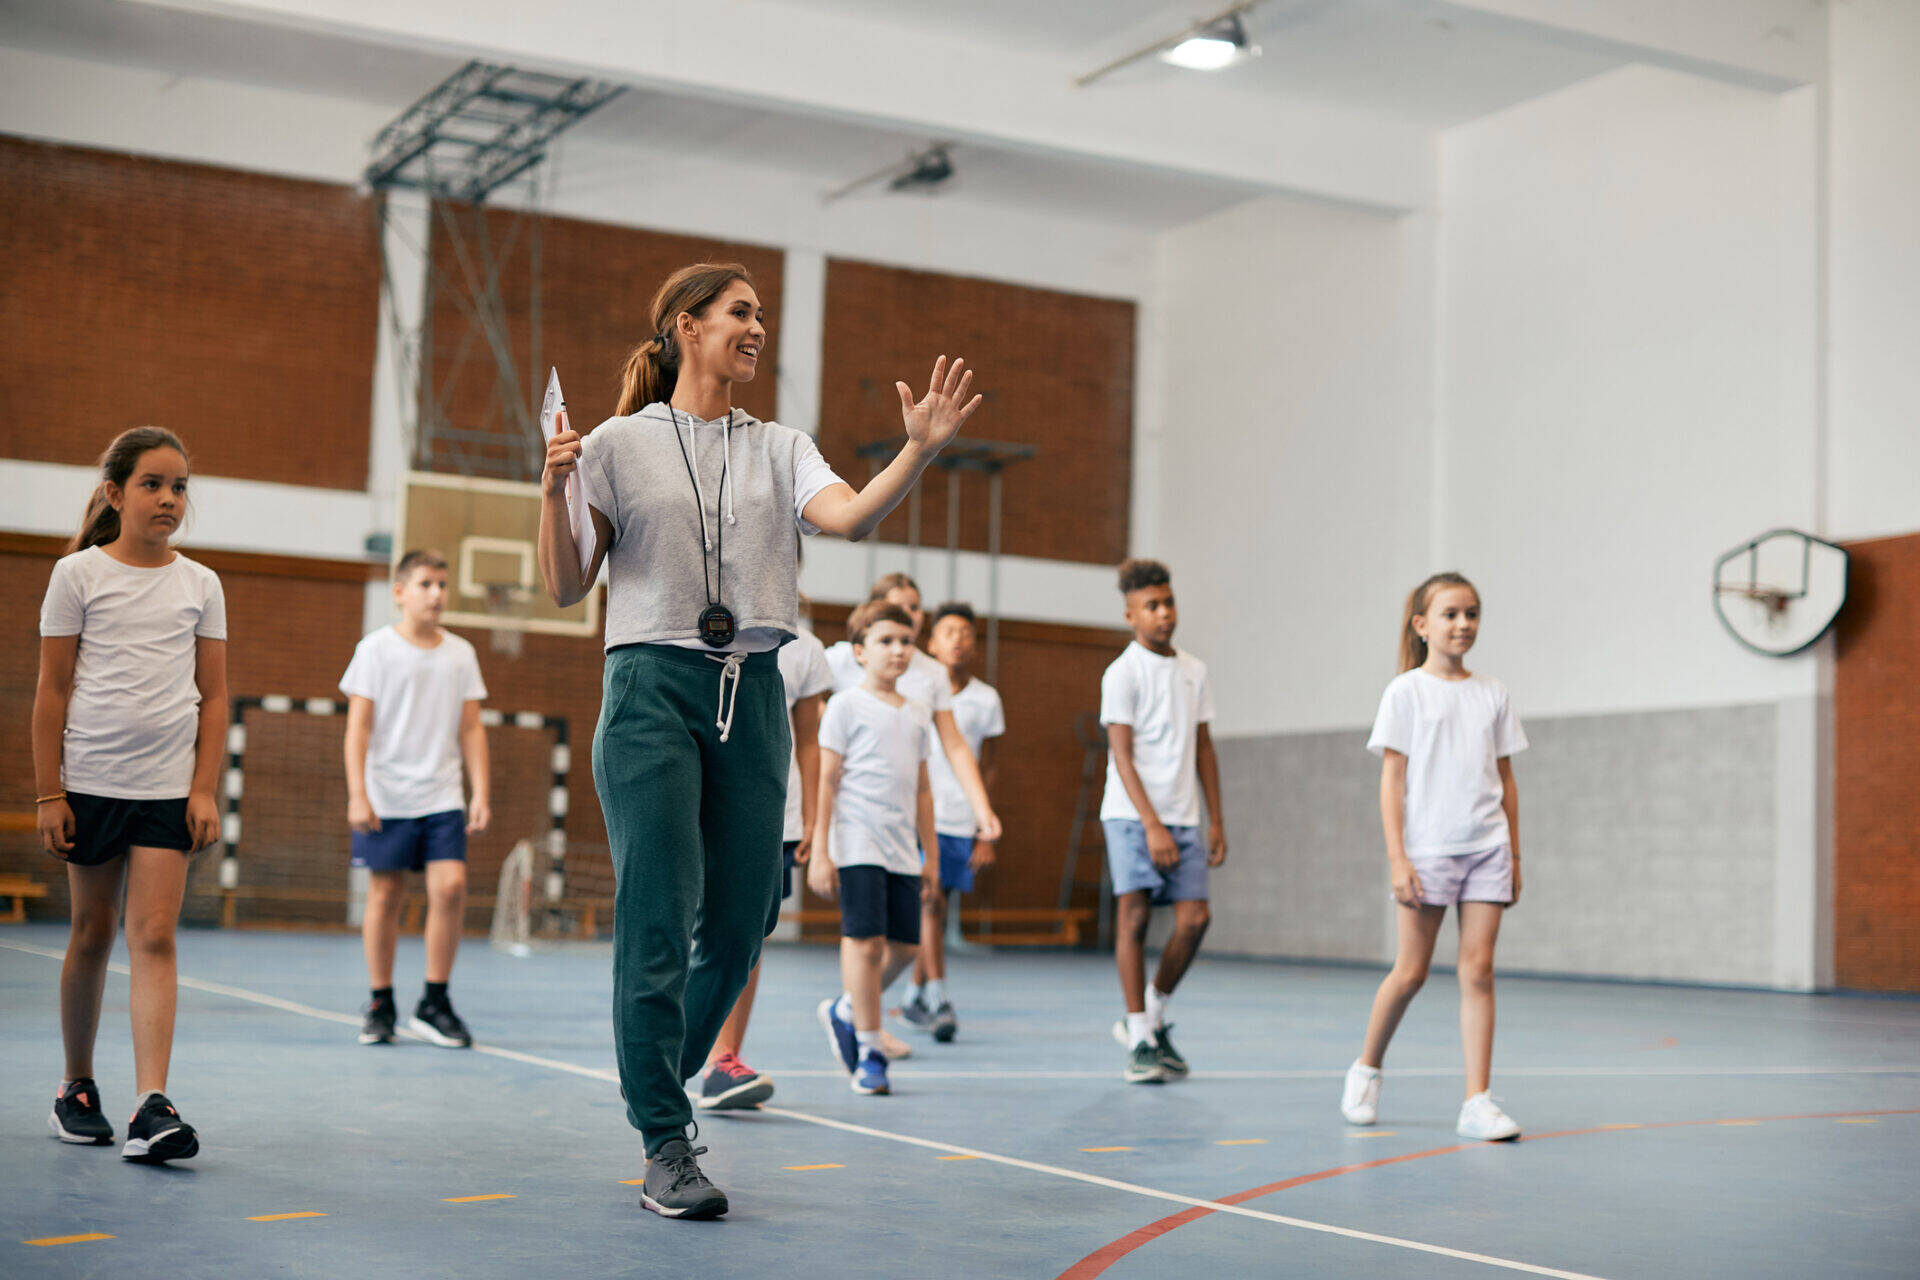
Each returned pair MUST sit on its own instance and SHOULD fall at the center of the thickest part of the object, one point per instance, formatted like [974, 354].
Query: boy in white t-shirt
[413, 712]
[963, 850]
[875, 814]
[1156, 704]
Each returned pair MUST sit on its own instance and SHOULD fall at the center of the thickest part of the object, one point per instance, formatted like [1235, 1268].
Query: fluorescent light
[1219, 44]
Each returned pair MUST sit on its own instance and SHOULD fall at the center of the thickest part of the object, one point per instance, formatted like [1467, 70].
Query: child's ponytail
[100, 524]
[1413, 650]
[653, 367]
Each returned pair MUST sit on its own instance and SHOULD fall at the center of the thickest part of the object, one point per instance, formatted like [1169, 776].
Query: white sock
[1361, 1066]
[1156, 1006]
[912, 994]
[869, 1042]
[936, 990]
[843, 1007]
[1139, 1029]
[141, 1101]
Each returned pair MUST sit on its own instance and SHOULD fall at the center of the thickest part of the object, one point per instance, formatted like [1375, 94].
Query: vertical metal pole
[953, 533]
[873, 539]
[913, 532]
[993, 576]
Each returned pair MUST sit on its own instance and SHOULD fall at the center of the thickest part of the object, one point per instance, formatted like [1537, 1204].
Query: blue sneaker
[840, 1034]
[871, 1075]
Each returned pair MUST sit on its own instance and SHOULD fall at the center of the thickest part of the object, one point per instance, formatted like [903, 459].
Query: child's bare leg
[156, 881]
[1479, 928]
[860, 963]
[446, 915]
[1190, 921]
[898, 956]
[1131, 912]
[380, 927]
[1419, 926]
[931, 962]
[733, 1032]
[95, 895]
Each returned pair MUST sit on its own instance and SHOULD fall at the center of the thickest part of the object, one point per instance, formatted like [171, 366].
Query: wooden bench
[20, 888]
[1068, 922]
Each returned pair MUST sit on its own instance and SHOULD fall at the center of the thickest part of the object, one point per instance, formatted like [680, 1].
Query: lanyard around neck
[713, 587]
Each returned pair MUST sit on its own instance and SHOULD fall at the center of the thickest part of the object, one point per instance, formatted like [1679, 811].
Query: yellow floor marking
[1732, 1123]
[956, 1157]
[282, 1217]
[48, 1241]
[1619, 1126]
[1238, 1142]
[808, 1168]
[1857, 1120]
[1106, 1148]
[633, 1182]
[1376, 1133]
[497, 1195]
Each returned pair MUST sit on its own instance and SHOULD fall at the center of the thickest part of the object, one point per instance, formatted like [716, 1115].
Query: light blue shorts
[1133, 870]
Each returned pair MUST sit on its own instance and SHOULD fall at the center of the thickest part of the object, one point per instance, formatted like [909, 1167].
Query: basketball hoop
[1771, 618]
[507, 602]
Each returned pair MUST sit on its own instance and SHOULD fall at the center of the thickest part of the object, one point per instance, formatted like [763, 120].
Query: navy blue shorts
[104, 828]
[876, 902]
[786, 869]
[956, 863]
[409, 844]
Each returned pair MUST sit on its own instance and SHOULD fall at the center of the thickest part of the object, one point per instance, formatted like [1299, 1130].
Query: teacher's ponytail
[653, 366]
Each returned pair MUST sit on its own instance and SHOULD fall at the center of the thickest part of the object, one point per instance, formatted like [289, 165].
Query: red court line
[1097, 1262]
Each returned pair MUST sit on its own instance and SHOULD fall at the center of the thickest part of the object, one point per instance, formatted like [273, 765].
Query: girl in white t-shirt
[128, 723]
[1452, 818]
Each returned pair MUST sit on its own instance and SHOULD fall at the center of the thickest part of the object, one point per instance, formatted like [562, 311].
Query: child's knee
[1192, 917]
[1411, 975]
[91, 934]
[1476, 970]
[150, 939]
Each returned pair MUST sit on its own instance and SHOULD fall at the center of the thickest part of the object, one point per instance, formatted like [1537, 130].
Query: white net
[513, 902]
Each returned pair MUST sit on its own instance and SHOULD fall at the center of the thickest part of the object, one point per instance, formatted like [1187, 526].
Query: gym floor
[1671, 1131]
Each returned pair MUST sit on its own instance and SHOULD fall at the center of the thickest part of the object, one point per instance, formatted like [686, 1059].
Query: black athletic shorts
[104, 829]
[876, 902]
[787, 865]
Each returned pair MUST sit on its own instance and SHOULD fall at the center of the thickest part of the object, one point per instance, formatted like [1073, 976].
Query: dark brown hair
[653, 367]
[892, 582]
[863, 619]
[1413, 650]
[418, 558]
[1137, 574]
[100, 524]
[955, 609]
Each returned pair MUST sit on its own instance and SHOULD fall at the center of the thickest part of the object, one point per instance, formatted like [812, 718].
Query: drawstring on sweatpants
[729, 670]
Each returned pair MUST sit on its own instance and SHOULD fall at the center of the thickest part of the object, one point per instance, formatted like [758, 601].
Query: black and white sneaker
[731, 1085]
[944, 1025]
[377, 1026]
[439, 1024]
[915, 1014]
[675, 1187]
[77, 1117]
[157, 1133]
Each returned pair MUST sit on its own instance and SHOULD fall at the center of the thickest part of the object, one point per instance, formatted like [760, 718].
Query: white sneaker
[1482, 1120]
[1360, 1100]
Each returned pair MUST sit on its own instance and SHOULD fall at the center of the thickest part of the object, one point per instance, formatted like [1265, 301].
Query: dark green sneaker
[1169, 1056]
[1144, 1065]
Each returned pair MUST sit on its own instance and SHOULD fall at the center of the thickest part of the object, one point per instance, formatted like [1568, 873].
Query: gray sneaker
[944, 1025]
[1144, 1065]
[675, 1187]
[915, 1014]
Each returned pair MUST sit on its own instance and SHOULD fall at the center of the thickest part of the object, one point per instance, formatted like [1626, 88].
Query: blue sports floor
[1671, 1132]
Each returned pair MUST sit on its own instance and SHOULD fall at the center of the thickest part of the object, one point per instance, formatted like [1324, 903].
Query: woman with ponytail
[693, 505]
[128, 724]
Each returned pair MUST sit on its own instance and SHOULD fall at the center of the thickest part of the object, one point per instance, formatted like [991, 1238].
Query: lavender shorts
[1466, 877]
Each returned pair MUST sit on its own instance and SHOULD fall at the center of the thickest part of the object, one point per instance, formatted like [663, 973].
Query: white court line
[1305, 1224]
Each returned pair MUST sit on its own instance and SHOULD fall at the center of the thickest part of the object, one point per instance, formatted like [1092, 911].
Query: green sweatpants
[694, 825]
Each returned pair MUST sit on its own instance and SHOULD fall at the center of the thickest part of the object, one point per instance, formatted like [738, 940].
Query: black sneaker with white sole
[376, 1026]
[944, 1025]
[675, 1187]
[77, 1117]
[439, 1024]
[157, 1133]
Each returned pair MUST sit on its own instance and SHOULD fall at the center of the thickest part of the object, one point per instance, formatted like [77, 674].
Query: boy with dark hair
[1156, 705]
[413, 712]
[964, 848]
[874, 815]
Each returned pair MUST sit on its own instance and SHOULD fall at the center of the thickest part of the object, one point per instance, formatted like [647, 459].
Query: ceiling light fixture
[1207, 45]
[1216, 45]
[922, 171]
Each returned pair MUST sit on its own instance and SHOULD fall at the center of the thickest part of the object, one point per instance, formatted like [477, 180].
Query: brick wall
[237, 309]
[1877, 770]
[596, 282]
[1057, 373]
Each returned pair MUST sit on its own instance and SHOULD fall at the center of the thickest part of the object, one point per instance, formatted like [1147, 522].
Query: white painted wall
[1628, 298]
[1874, 172]
[1290, 462]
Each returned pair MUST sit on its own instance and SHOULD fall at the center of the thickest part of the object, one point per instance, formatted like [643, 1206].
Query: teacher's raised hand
[936, 419]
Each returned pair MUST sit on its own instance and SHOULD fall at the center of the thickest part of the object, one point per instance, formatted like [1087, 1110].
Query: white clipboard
[578, 518]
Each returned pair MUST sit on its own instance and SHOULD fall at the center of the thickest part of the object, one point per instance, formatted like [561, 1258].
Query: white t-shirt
[803, 666]
[978, 712]
[133, 718]
[1454, 734]
[418, 695]
[1166, 700]
[924, 682]
[876, 811]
